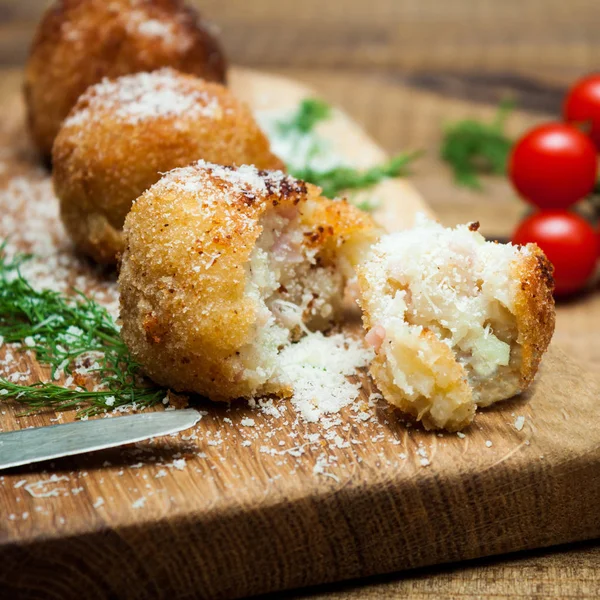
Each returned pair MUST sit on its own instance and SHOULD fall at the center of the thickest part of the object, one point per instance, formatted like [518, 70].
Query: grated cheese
[318, 367]
[135, 98]
[139, 503]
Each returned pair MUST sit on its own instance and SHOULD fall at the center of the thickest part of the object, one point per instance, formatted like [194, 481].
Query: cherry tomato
[553, 166]
[569, 242]
[582, 106]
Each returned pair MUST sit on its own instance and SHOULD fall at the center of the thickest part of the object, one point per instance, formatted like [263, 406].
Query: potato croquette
[123, 133]
[224, 267]
[456, 322]
[79, 42]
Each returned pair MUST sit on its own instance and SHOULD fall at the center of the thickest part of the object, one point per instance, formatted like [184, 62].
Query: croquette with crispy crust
[223, 267]
[79, 42]
[456, 322]
[123, 133]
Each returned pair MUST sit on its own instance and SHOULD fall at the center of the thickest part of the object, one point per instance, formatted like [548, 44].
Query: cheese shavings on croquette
[455, 321]
[145, 96]
[224, 267]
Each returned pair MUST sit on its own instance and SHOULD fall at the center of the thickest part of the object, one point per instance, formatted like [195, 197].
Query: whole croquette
[79, 42]
[224, 267]
[456, 322]
[123, 133]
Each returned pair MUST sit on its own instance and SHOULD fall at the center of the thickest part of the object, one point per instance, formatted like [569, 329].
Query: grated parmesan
[135, 98]
[318, 367]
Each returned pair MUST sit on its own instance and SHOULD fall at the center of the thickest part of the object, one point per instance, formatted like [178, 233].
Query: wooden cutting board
[237, 507]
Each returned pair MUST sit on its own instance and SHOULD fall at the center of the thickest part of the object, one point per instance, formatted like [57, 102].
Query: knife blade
[54, 441]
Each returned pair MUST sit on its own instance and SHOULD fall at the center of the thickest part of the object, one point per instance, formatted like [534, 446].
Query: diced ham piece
[375, 337]
[289, 212]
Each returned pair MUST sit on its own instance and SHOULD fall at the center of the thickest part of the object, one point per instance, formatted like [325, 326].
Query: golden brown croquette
[456, 322]
[223, 267]
[79, 42]
[123, 133]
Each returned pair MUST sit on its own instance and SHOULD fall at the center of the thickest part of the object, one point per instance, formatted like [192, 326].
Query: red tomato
[582, 106]
[553, 166]
[569, 242]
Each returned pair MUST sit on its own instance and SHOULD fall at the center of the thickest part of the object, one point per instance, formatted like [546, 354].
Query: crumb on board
[139, 503]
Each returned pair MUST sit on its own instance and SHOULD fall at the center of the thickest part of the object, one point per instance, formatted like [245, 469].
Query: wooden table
[403, 68]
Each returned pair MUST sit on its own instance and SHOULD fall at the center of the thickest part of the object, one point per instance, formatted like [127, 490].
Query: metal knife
[45, 443]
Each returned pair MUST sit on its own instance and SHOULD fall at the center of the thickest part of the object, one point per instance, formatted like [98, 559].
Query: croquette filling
[293, 293]
[454, 284]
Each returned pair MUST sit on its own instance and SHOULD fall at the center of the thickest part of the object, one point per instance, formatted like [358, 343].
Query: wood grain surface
[240, 507]
[403, 68]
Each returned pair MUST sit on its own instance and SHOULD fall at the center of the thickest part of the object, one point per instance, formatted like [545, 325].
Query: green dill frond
[43, 395]
[73, 336]
[307, 149]
[368, 204]
[310, 112]
[342, 179]
[471, 147]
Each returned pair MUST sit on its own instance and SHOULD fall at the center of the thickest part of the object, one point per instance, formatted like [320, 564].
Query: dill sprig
[73, 336]
[310, 112]
[306, 143]
[43, 395]
[471, 147]
[339, 179]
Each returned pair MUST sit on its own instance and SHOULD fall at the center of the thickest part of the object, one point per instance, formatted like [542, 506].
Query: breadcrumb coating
[223, 267]
[456, 322]
[123, 133]
[79, 42]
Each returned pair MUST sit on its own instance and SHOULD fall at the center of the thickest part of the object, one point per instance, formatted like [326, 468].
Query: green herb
[340, 179]
[472, 147]
[67, 332]
[368, 204]
[310, 112]
[594, 204]
[306, 148]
